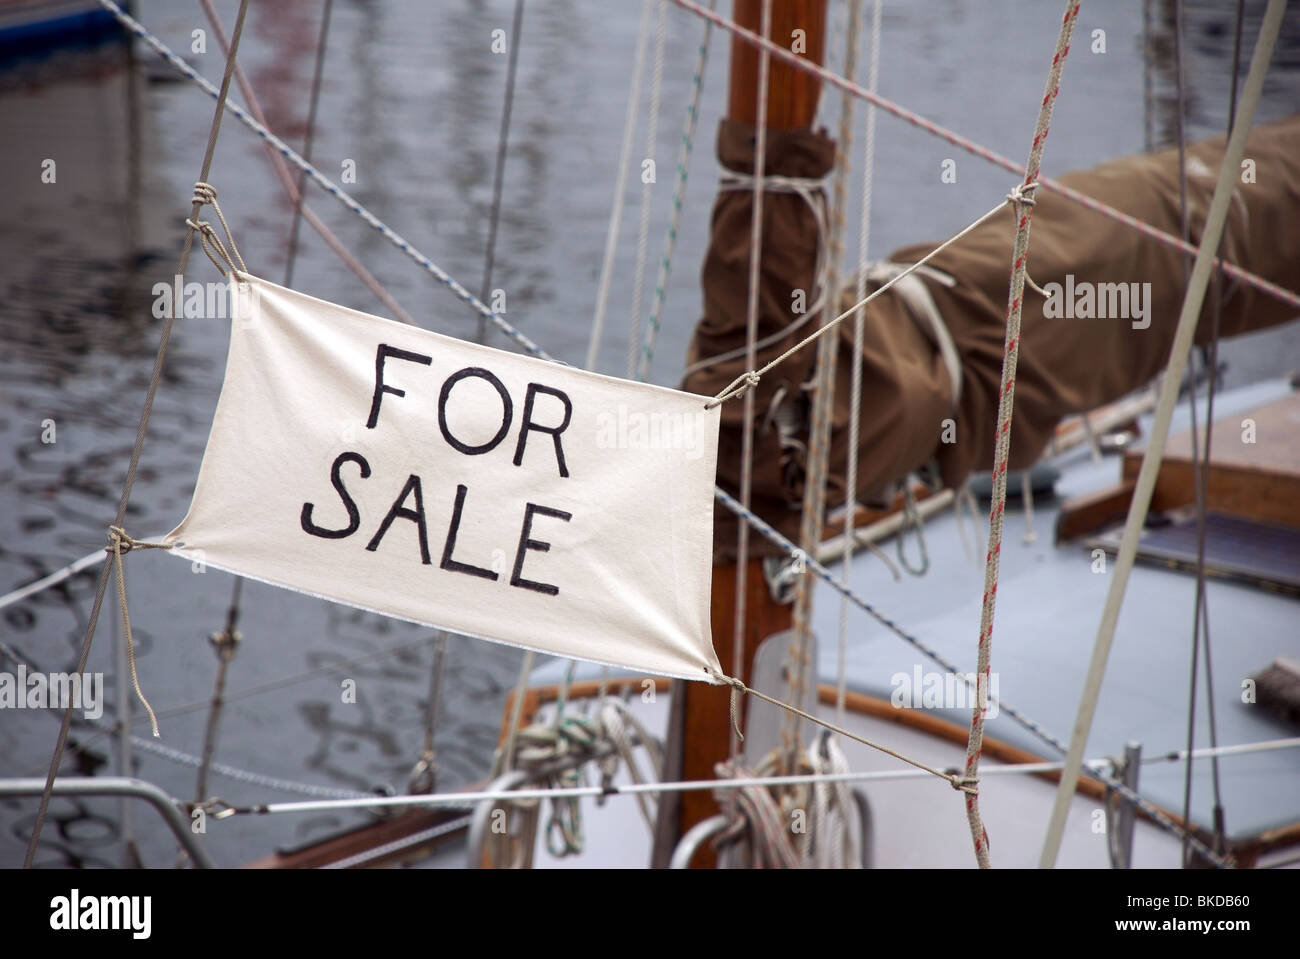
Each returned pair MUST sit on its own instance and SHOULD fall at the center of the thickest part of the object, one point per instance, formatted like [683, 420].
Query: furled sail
[1105, 329]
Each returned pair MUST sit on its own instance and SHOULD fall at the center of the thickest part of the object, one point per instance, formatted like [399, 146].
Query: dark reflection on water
[412, 96]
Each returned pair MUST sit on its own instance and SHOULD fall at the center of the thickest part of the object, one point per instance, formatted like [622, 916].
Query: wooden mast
[792, 104]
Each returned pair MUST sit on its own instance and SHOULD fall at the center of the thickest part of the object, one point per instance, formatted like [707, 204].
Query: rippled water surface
[412, 96]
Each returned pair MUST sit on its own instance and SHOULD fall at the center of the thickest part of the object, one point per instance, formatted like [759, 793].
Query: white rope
[1095, 767]
[616, 213]
[855, 388]
[739, 610]
[832, 842]
[816, 472]
[964, 503]
[505, 760]
[615, 718]
[54, 579]
[1215, 220]
[817, 476]
[924, 312]
[760, 812]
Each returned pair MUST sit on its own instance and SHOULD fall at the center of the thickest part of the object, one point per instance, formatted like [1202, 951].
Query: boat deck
[1049, 607]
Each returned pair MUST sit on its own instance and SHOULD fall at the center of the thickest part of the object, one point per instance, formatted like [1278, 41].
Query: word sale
[409, 503]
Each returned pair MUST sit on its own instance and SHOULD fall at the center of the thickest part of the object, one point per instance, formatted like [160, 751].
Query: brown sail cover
[1069, 363]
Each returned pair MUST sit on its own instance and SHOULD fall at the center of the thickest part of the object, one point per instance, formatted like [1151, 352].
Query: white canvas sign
[492, 494]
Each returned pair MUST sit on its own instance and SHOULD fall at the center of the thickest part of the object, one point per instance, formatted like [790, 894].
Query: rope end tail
[737, 689]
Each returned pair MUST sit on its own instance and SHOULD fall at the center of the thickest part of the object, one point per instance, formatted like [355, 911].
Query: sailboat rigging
[919, 380]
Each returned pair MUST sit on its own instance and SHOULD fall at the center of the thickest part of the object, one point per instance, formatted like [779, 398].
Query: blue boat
[38, 27]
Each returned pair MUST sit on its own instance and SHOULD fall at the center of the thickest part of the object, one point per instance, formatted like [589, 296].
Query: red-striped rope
[1023, 200]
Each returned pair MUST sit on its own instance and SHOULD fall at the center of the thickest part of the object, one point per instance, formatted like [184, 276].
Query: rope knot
[204, 193]
[737, 689]
[738, 387]
[1023, 194]
[119, 543]
[731, 681]
[223, 255]
[964, 784]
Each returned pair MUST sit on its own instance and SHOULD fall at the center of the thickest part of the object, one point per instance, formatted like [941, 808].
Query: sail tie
[120, 544]
[809, 189]
[922, 308]
[205, 194]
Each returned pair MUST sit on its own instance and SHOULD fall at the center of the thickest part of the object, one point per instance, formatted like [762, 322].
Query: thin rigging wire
[1094, 768]
[498, 178]
[1217, 304]
[1201, 468]
[620, 187]
[498, 175]
[740, 611]
[308, 139]
[818, 471]
[283, 682]
[855, 387]
[1180, 129]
